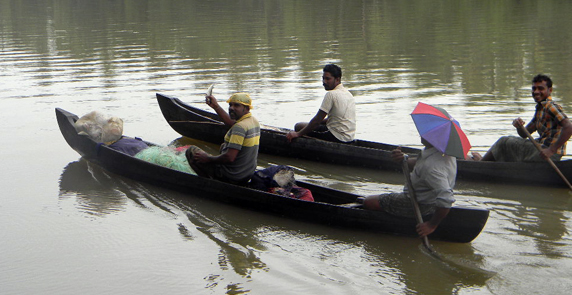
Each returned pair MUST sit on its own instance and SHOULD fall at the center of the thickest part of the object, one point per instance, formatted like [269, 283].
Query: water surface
[68, 226]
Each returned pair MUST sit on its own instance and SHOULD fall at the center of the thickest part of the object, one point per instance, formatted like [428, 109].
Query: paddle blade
[458, 266]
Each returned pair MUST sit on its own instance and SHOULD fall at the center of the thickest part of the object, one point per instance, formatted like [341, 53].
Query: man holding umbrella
[434, 171]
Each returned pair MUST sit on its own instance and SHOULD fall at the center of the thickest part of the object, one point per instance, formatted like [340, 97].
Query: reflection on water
[526, 214]
[539, 221]
[92, 187]
[547, 227]
[235, 245]
[289, 251]
[249, 243]
[92, 196]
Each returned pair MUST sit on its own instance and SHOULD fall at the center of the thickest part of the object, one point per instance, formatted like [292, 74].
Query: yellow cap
[242, 98]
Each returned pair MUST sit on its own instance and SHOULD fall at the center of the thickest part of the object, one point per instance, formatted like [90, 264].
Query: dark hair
[539, 78]
[334, 70]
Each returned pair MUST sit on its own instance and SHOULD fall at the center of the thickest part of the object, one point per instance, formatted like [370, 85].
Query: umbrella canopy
[437, 127]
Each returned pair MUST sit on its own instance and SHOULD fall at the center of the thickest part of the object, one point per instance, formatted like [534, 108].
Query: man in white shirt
[336, 118]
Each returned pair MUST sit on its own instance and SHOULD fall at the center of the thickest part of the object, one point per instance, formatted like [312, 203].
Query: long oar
[539, 148]
[411, 192]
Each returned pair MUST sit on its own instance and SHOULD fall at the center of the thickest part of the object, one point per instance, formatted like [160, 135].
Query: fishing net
[167, 157]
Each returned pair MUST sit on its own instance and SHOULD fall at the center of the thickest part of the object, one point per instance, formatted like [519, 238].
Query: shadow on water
[243, 235]
[93, 195]
[102, 192]
[458, 265]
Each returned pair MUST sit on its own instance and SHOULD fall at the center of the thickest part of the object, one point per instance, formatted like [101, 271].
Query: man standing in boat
[552, 125]
[339, 107]
[432, 179]
[239, 151]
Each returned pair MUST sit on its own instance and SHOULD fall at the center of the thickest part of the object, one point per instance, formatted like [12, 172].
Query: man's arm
[313, 124]
[531, 127]
[397, 155]
[428, 227]
[227, 157]
[213, 103]
[565, 134]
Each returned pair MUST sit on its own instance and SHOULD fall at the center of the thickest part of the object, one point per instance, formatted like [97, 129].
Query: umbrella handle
[418, 216]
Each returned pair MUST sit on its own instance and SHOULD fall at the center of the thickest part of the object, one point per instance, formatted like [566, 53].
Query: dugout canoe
[463, 224]
[196, 123]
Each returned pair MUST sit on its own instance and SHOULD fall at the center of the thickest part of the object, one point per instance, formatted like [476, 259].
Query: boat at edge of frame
[199, 124]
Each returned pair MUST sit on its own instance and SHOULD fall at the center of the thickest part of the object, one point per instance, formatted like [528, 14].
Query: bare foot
[475, 156]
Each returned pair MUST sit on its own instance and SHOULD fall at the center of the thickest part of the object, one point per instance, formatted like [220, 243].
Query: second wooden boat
[203, 125]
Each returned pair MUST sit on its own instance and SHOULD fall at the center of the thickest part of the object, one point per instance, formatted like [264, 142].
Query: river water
[69, 227]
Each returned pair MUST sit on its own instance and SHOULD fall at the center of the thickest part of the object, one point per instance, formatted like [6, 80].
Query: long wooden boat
[330, 207]
[203, 125]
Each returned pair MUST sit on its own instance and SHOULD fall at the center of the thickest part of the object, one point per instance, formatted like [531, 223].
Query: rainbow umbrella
[436, 126]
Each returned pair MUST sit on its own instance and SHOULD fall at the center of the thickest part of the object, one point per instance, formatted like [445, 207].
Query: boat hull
[203, 125]
[463, 224]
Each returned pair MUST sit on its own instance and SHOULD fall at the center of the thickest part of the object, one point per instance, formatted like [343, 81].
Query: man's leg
[299, 126]
[197, 167]
[398, 204]
[372, 203]
[487, 157]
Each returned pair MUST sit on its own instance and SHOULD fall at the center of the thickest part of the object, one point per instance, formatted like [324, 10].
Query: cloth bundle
[100, 127]
[128, 145]
[279, 179]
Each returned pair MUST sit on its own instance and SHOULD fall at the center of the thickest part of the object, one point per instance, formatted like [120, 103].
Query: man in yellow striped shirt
[239, 151]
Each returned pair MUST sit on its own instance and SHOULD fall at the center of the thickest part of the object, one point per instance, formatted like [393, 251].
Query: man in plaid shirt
[552, 125]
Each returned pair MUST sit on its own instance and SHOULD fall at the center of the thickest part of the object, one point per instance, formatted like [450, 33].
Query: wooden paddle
[539, 148]
[411, 191]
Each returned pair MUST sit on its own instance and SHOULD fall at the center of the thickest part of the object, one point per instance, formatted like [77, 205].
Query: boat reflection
[99, 193]
[94, 196]
[243, 236]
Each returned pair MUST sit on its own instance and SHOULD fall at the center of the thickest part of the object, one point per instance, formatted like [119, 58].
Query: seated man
[433, 179]
[552, 125]
[239, 151]
[339, 107]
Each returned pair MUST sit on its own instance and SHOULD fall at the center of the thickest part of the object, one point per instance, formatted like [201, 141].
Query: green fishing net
[167, 157]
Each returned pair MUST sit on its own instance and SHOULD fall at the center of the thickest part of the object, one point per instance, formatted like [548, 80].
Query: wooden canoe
[462, 224]
[203, 125]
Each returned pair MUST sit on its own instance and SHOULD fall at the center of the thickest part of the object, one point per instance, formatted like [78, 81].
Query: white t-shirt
[340, 106]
